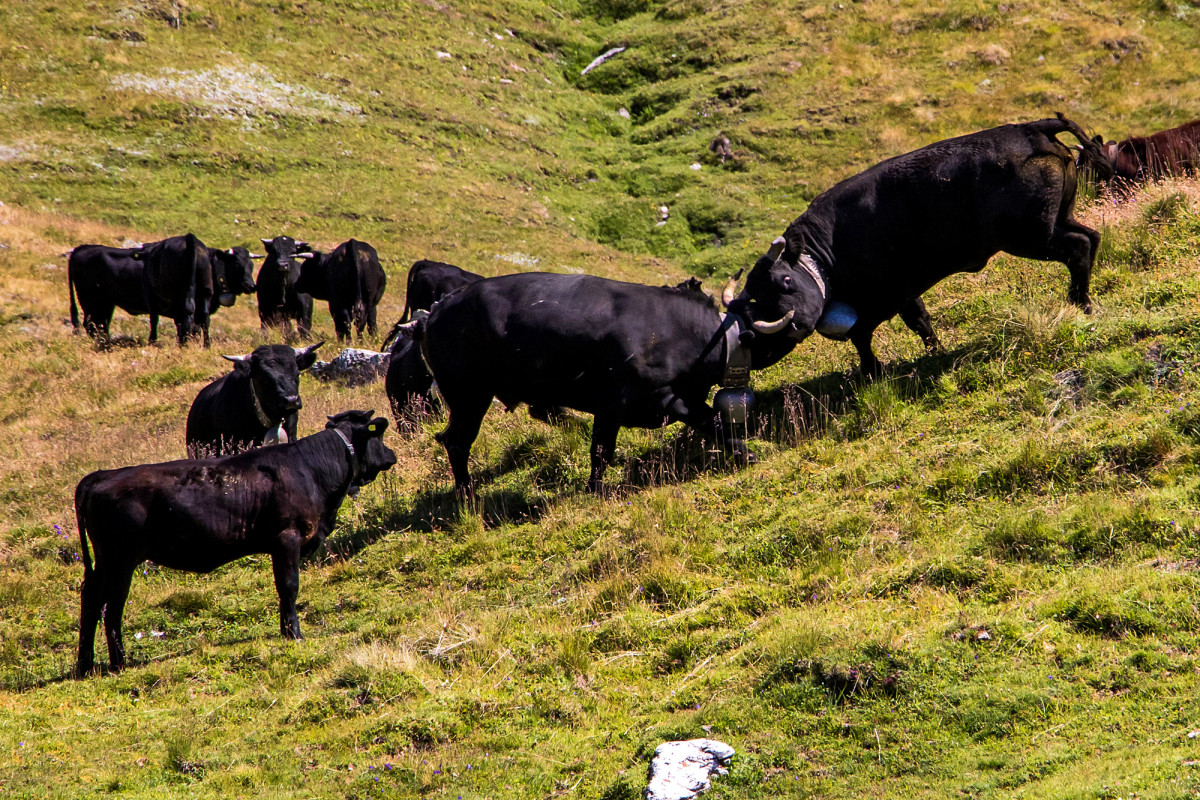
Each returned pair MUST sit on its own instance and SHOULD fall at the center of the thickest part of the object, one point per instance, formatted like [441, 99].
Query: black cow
[278, 301]
[255, 404]
[430, 281]
[106, 278]
[631, 355]
[869, 247]
[197, 515]
[408, 383]
[351, 279]
[178, 280]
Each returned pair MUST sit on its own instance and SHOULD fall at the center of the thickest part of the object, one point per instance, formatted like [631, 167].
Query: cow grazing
[279, 303]
[631, 355]
[409, 384]
[196, 515]
[255, 404]
[869, 247]
[1171, 152]
[351, 279]
[106, 278]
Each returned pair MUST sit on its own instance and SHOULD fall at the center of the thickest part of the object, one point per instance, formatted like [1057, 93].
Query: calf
[351, 279]
[196, 515]
[255, 404]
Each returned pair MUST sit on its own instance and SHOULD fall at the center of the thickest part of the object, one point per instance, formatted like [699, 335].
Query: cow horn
[304, 255]
[773, 327]
[267, 242]
[255, 255]
[730, 291]
[235, 359]
[303, 351]
[776, 248]
[230, 251]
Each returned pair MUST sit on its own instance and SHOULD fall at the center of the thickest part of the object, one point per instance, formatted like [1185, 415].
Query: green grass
[975, 577]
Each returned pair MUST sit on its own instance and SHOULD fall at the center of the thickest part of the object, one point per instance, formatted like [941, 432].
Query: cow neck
[354, 469]
[737, 356]
[263, 419]
[809, 265]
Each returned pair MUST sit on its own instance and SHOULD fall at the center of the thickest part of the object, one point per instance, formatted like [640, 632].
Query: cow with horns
[196, 515]
[868, 248]
[629, 354]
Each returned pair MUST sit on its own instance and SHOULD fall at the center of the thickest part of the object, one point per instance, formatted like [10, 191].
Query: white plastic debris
[681, 770]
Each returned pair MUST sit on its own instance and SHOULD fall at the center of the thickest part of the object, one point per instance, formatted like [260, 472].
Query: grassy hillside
[976, 577]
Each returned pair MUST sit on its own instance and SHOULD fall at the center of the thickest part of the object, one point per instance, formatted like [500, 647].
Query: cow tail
[413, 270]
[360, 305]
[85, 553]
[71, 290]
[1092, 155]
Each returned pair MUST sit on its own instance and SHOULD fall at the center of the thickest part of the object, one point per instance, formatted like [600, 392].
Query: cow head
[282, 252]
[365, 435]
[781, 296]
[233, 273]
[274, 372]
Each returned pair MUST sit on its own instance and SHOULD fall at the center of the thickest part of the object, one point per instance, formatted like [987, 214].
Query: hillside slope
[977, 576]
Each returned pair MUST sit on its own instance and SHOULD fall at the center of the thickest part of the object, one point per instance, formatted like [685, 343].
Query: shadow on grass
[431, 510]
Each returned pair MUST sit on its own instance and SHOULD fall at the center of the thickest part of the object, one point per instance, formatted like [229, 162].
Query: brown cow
[1170, 152]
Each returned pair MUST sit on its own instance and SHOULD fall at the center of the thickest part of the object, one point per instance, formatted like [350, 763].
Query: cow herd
[631, 355]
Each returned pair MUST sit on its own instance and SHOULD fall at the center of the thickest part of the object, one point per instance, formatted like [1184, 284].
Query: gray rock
[352, 366]
[681, 770]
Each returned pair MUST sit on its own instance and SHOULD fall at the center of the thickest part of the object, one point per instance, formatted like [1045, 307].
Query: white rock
[697, 166]
[681, 770]
[623, 112]
[353, 366]
[443, 54]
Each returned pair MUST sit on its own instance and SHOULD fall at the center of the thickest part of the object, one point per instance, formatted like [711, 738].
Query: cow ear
[377, 426]
[307, 356]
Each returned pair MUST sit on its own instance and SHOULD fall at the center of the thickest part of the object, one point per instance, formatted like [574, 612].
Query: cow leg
[286, 565]
[90, 605]
[466, 415]
[1076, 245]
[860, 336]
[115, 591]
[153, 327]
[372, 329]
[604, 446]
[916, 317]
[341, 324]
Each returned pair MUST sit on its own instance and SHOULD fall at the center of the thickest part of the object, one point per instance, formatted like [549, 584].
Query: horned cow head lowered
[779, 297]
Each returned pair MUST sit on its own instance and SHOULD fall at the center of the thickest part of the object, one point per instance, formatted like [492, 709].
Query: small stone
[993, 55]
[623, 112]
[681, 770]
[983, 636]
[441, 54]
[696, 167]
